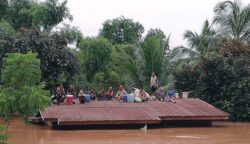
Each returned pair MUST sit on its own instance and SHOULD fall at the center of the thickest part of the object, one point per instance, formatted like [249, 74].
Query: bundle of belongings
[138, 95]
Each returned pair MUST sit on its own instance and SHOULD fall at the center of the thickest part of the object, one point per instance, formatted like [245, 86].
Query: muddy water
[220, 133]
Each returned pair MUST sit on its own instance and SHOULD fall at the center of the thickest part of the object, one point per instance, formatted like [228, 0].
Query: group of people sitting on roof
[60, 93]
[137, 95]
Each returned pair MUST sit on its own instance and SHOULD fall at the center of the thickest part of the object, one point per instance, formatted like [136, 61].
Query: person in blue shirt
[171, 93]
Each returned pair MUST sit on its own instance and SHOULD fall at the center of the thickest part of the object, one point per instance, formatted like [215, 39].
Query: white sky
[172, 16]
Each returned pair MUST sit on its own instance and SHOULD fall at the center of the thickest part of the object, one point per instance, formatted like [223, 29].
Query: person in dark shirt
[102, 94]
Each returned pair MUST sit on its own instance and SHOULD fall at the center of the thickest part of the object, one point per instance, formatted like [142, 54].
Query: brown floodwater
[220, 133]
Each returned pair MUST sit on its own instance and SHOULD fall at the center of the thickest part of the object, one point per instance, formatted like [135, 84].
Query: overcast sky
[172, 16]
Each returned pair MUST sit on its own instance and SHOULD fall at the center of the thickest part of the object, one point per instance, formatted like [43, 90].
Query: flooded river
[220, 133]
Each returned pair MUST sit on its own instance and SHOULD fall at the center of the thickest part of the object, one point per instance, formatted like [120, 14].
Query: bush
[186, 78]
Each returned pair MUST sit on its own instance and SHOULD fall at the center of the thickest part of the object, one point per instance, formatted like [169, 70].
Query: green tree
[155, 51]
[100, 63]
[94, 56]
[233, 20]
[19, 13]
[156, 32]
[29, 13]
[122, 31]
[198, 44]
[152, 55]
[55, 13]
[20, 93]
[221, 79]
[80, 81]
[72, 34]
[52, 50]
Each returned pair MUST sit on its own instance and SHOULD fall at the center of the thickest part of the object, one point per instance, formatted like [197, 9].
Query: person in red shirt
[110, 93]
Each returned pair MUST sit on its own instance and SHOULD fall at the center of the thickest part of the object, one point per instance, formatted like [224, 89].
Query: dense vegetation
[217, 65]
[214, 67]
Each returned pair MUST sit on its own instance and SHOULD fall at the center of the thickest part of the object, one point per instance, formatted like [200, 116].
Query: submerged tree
[21, 93]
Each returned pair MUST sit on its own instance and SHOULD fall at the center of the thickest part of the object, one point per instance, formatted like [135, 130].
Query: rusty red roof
[113, 112]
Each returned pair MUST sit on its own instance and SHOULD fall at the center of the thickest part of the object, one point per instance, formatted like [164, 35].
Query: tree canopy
[30, 13]
[52, 50]
[122, 30]
[95, 55]
[20, 93]
[233, 19]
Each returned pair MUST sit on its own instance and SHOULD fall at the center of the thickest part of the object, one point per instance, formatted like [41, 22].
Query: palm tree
[233, 20]
[198, 44]
[151, 55]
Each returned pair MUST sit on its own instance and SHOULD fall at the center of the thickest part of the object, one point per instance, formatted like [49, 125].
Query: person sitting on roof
[142, 95]
[81, 96]
[120, 94]
[72, 91]
[59, 94]
[101, 94]
[170, 93]
[110, 93]
[92, 94]
[161, 94]
[136, 93]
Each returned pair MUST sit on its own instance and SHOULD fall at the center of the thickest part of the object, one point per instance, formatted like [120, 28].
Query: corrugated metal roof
[113, 112]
